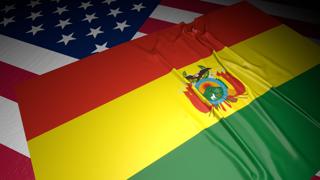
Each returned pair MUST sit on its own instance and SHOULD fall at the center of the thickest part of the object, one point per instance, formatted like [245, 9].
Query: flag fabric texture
[39, 36]
[25, 53]
[232, 95]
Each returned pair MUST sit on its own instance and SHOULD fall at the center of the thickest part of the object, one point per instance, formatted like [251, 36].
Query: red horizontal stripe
[63, 94]
[232, 24]
[236, 23]
[10, 76]
[178, 45]
[304, 28]
[152, 25]
[192, 5]
[14, 166]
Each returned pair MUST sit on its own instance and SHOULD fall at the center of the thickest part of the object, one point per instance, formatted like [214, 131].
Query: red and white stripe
[316, 176]
[14, 165]
[20, 61]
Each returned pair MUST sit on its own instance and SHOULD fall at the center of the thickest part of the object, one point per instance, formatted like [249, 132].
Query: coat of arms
[207, 90]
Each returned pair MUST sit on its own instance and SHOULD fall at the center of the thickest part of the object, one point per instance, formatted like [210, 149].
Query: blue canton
[74, 28]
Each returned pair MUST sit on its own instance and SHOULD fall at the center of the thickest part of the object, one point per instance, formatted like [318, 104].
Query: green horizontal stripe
[274, 137]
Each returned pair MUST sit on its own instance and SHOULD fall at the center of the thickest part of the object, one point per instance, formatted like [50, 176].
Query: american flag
[38, 36]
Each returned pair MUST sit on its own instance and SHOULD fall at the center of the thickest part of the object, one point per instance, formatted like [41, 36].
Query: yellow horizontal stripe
[274, 57]
[119, 138]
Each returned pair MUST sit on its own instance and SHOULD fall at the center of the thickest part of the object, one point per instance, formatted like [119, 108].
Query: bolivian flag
[233, 95]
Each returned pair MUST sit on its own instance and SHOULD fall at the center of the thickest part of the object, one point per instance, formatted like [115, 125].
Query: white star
[66, 38]
[100, 48]
[114, 12]
[95, 32]
[89, 18]
[108, 1]
[8, 8]
[121, 26]
[34, 16]
[63, 23]
[85, 5]
[35, 29]
[6, 21]
[33, 3]
[61, 10]
[138, 7]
